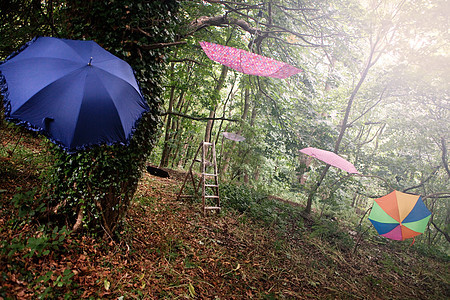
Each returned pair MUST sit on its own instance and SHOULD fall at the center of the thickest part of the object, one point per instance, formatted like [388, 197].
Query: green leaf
[107, 284]
[191, 290]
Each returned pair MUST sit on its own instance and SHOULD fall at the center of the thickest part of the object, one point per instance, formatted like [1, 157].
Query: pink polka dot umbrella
[331, 159]
[247, 62]
[233, 136]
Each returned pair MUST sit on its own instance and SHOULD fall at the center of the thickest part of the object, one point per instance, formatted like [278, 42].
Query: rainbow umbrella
[399, 216]
[247, 62]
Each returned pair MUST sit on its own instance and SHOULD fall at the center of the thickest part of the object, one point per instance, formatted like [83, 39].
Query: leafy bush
[240, 197]
[257, 204]
[431, 251]
[44, 241]
[28, 207]
[331, 232]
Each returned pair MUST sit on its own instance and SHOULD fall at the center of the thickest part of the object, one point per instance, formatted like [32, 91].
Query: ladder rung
[211, 185]
[207, 143]
[207, 196]
[209, 174]
[212, 207]
[205, 162]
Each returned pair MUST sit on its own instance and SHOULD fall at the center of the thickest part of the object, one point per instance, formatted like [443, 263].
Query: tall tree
[95, 187]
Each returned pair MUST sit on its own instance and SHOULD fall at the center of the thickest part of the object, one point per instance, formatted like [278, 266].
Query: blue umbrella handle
[46, 121]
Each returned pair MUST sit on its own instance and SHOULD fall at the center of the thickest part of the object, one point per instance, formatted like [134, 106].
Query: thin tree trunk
[166, 150]
[165, 154]
[212, 113]
[344, 125]
[227, 155]
[175, 132]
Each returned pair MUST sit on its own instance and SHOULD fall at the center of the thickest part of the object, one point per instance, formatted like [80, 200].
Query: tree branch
[161, 45]
[375, 176]
[444, 156]
[282, 7]
[447, 236]
[197, 118]
[157, 45]
[370, 108]
[186, 59]
[437, 195]
[423, 182]
[204, 21]
[296, 44]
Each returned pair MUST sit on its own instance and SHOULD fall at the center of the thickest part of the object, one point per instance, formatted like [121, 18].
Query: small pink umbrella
[247, 62]
[330, 158]
[233, 136]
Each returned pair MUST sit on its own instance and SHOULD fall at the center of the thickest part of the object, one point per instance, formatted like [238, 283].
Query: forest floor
[169, 250]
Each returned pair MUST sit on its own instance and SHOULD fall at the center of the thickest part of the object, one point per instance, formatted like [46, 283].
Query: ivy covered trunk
[94, 188]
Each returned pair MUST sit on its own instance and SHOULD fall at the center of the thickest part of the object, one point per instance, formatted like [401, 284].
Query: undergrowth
[260, 207]
[258, 238]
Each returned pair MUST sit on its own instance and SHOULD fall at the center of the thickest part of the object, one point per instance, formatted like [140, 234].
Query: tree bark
[227, 155]
[166, 150]
[212, 113]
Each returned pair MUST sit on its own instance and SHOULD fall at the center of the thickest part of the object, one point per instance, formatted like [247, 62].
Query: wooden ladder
[209, 180]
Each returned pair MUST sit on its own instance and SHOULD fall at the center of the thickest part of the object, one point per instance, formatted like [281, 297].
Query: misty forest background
[374, 89]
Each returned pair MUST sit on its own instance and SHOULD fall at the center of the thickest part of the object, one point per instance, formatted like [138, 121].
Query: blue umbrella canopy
[74, 92]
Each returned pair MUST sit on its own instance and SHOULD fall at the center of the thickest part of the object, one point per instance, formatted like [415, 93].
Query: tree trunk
[344, 125]
[227, 155]
[166, 150]
[212, 113]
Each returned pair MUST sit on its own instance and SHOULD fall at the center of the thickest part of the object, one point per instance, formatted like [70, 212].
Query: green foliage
[41, 244]
[101, 182]
[330, 231]
[51, 283]
[431, 251]
[28, 207]
[257, 205]
[240, 197]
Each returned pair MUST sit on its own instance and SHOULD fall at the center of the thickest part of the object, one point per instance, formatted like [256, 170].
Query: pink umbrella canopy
[330, 158]
[247, 62]
[233, 136]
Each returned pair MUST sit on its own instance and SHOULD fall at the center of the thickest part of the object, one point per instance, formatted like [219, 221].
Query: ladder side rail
[216, 178]
[187, 175]
[203, 170]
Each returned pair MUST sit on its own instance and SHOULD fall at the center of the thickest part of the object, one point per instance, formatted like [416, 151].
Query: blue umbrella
[74, 92]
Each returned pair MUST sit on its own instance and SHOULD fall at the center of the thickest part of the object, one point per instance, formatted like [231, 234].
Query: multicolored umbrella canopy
[233, 136]
[399, 216]
[330, 158]
[74, 92]
[247, 62]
